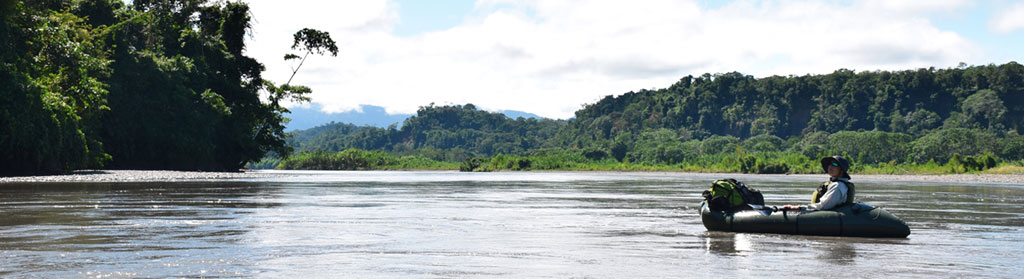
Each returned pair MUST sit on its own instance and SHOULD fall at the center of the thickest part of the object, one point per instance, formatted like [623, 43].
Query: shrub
[940, 145]
[769, 167]
[471, 164]
[870, 147]
[594, 154]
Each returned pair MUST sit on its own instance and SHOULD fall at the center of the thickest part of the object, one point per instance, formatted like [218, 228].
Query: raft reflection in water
[858, 219]
[738, 244]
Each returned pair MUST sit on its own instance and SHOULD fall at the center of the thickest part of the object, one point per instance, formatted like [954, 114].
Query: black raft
[855, 219]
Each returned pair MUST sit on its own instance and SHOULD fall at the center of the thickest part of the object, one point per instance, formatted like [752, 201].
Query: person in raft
[838, 190]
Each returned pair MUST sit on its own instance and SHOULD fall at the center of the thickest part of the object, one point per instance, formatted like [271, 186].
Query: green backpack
[729, 194]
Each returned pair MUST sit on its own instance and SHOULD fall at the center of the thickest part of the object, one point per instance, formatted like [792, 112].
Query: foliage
[1011, 147]
[153, 84]
[183, 95]
[166, 84]
[870, 147]
[960, 163]
[50, 91]
[266, 163]
[881, 121]
[985, 108]
[356, 159]
[447, 133]
[940, 145]
[915, 122]
[912, 102]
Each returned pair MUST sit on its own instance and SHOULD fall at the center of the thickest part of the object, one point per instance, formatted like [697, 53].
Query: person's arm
[832, 198]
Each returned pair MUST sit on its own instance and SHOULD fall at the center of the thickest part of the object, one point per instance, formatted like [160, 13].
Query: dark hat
[843, 164]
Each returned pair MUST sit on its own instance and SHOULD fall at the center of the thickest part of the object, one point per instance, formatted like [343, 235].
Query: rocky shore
[138, 176]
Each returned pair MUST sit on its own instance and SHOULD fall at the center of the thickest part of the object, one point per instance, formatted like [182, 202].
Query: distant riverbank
[186, 176]
[957, 178]
[138, 176]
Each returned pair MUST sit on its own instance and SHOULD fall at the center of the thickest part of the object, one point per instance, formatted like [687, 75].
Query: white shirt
[834, 196]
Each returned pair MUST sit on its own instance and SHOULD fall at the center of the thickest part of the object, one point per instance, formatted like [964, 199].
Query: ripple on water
[512, 225]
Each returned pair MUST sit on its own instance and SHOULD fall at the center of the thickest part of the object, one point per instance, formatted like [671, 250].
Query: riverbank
[955, 178]
[138, 176]
[186, 176]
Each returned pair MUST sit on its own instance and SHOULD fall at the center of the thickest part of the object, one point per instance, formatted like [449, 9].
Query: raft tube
[858, 219]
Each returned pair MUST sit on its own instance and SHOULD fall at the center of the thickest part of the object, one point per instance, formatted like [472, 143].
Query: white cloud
[1009, 20]
[916, 6]
[551, 57]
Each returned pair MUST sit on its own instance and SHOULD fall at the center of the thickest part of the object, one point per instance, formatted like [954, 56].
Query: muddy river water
[485, 225]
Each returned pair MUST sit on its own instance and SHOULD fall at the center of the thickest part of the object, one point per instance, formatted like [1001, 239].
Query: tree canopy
[913, 116]
[153, 84]
[450, 133]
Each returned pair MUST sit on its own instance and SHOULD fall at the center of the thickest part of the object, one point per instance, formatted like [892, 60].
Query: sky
[552, 57]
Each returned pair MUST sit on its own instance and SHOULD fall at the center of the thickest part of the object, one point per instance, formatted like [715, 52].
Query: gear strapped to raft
[730, 194]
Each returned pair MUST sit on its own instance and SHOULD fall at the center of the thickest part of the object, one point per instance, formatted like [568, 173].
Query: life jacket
[823, 188]
[729, 194]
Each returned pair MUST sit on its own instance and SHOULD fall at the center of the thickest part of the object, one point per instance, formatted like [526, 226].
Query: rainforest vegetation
[166, 84]
[151, 84]
[926, 120]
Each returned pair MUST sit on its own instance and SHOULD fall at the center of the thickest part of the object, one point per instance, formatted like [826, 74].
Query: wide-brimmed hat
[843, 164]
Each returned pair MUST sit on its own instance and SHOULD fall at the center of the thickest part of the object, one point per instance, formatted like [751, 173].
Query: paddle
[764, 210]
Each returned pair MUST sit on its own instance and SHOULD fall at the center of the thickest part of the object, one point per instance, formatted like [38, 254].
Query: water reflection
[837, 252]
[726, 244]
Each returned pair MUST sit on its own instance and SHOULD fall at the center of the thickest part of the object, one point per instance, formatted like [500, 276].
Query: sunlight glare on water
[415, 224]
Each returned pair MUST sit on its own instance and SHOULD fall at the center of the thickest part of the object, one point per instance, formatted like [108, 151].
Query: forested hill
[878, 117]
[451, 133]
[732, 104]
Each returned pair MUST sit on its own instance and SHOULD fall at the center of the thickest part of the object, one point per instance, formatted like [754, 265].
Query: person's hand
[791, 207]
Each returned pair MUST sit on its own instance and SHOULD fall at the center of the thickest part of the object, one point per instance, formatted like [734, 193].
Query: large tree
[154, 84]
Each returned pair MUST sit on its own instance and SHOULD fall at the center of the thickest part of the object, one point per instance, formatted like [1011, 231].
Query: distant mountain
[513, 114]
[305, 118]
[450, 133]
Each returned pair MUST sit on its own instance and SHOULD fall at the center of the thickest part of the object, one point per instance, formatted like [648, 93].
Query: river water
[485, 225]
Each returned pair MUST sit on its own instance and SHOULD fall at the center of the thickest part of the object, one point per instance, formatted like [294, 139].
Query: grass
[1005, 169]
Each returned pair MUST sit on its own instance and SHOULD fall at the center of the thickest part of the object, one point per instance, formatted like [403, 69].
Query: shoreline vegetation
[926, 121]
[568, 160]
[146, 176]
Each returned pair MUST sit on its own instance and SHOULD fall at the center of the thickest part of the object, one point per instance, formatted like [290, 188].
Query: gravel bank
[952, 178]
[152, 176]
[958, 178]
[138, 176]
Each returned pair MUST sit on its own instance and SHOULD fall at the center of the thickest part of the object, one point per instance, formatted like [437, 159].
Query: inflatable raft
[858, 219]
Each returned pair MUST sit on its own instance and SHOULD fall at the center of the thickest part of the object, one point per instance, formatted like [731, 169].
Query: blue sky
[418, 17]
[550, 57]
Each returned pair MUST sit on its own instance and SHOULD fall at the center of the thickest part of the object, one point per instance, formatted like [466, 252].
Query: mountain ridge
[879, 116]
[304, 118]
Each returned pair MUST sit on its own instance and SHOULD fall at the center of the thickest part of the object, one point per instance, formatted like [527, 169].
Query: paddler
[838, 190]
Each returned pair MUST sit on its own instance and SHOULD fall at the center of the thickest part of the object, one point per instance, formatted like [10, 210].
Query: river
[414, 224]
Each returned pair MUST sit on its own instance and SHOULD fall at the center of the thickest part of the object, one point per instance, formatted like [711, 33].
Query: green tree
[941, 144]
[985, 107]
[311, 41]
[182, 94]
[916, 122]
[876, 116]
[50, 90]
[870, 147]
